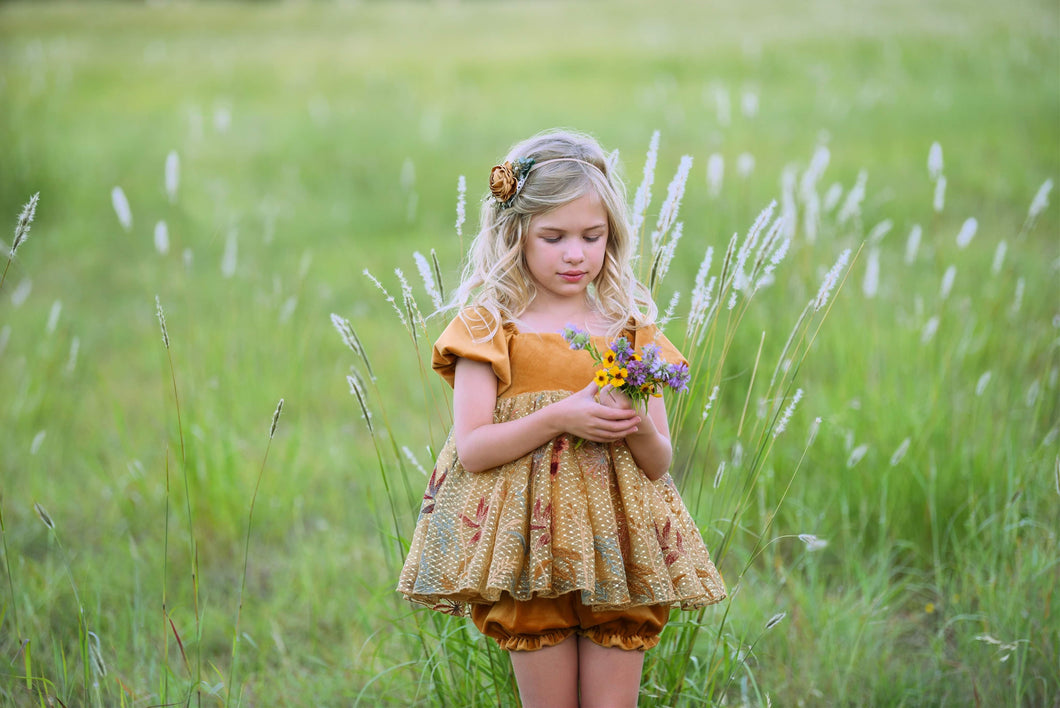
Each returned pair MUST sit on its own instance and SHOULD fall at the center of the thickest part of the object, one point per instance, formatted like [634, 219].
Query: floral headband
[507, 180]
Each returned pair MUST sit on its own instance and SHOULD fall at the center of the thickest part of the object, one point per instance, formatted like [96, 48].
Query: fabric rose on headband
[503, 182]
[506, 180]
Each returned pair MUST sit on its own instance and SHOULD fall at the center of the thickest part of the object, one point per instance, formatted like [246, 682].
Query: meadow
[881, 489]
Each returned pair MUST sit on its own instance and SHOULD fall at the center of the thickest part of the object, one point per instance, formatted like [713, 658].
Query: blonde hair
[567, 165]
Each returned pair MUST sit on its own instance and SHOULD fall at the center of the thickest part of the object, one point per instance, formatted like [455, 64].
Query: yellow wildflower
[601, 378]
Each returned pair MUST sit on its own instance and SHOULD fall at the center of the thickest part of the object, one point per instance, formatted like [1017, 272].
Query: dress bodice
[526, 362]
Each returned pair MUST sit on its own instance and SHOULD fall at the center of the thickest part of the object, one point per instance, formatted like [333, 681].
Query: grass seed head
[44, 516]
[912, 244]
[231, 255]
[99, 668]
[812, 542]
[427, 276]
[832, 196]
[121, 207]
[814, 429]
[643, 197]
[25, 219]
[745, 164]
[899, 453]
[939, 202]
[786, 417]
[162, 238]
[53, 316]
[999, 257]
[871, 285]
[934, 163]
[162, 321]
[461, 204]
[1040, 201]
[967, 232]
[275, 419]
[830, 281]
[172, 175]
[857, 454]
[852, 204]
[715, 174]
[719, 474]
[947, 282]
[775, 620]
[930, 328]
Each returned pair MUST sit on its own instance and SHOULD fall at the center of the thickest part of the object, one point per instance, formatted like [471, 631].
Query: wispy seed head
[939, 202]
[935, 160]
[812, 542]
[461, 202]
[1041, 200]
[900, 452]
[172, 175]
[775, 620]
[967, 232]
[121, 207]
[25, 218]
[162, 321]
[44, 516]
[275, 419]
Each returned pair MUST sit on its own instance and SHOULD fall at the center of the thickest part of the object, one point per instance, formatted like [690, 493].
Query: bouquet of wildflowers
[638, 375]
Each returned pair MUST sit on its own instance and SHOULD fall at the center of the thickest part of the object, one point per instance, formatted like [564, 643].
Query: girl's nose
[574, 253]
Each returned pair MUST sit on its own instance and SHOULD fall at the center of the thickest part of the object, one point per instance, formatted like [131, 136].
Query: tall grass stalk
[192, 545]
[165, 585]
[90, 688]
[23, 643]
[246, 556]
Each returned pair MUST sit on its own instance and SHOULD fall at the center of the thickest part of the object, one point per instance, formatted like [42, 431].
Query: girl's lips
[572, 276]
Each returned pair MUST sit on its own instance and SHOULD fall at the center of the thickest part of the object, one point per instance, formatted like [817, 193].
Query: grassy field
[315, 141]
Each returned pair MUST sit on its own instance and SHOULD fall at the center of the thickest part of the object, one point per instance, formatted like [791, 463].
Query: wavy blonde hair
[496, 278]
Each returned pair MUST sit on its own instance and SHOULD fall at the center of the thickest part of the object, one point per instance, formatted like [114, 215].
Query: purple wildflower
[678, 377]
[637, 373]
[578, 339]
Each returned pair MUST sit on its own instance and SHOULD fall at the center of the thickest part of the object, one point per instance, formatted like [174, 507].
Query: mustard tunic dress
[571, 516]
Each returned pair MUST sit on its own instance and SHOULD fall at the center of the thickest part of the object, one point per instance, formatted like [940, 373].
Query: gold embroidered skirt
[572, 516]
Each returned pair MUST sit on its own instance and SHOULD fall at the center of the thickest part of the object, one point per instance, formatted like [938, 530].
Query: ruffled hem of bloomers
[572, 516]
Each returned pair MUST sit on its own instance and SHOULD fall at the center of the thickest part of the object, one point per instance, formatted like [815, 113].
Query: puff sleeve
[464, 338]
[652, 335]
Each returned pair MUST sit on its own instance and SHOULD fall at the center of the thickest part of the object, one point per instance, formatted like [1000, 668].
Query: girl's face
[565, 247]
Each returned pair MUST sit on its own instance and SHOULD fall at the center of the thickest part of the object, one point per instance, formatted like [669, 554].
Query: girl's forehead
[585, 210]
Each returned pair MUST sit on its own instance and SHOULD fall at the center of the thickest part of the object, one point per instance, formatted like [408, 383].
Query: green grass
[928, 557]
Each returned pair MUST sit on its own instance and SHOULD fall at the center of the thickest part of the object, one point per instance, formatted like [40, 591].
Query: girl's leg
[548, 677]
[609, 677]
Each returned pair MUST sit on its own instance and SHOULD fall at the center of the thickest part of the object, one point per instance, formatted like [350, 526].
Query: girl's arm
[650, 442]
[482, 444]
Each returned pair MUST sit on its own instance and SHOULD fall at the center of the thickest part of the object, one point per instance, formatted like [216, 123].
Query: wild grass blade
[232, 674]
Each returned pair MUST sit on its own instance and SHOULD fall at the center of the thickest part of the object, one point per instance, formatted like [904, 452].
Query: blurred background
[247, 162]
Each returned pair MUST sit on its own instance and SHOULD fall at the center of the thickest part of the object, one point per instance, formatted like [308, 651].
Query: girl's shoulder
[476, 334]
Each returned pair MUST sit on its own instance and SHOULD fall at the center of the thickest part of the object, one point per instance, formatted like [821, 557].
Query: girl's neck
[550, 317]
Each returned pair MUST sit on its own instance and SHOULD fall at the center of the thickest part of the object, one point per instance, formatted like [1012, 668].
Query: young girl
[550, 510]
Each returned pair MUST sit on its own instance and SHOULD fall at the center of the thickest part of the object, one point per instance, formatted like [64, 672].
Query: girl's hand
[613, 398]
[603, 422]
